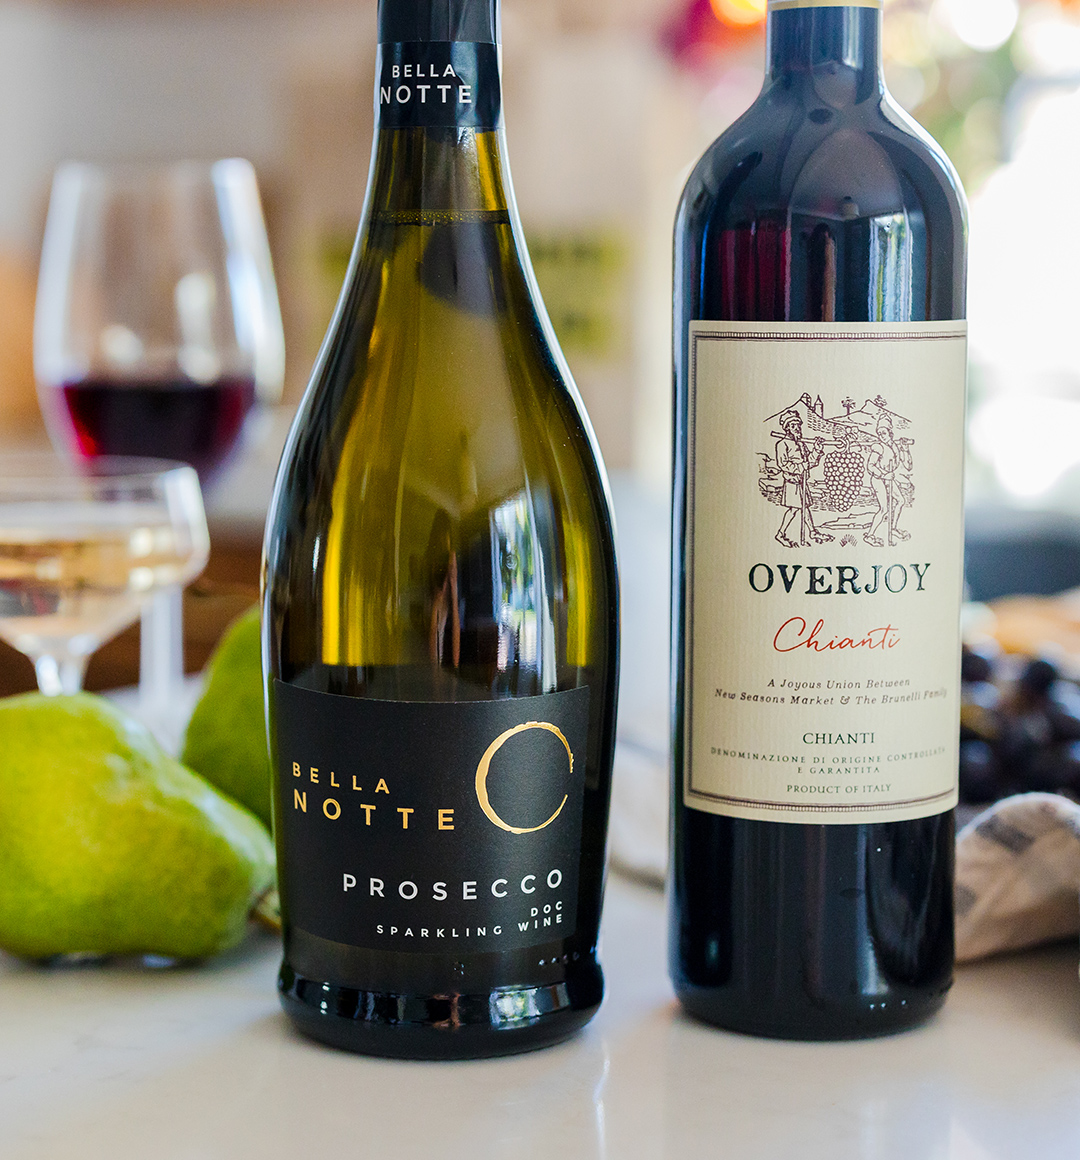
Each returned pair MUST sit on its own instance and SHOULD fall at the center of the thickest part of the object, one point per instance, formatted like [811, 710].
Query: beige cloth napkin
[1018, 876]
[639, 811]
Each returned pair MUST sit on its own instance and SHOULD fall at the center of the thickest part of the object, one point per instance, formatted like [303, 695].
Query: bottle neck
[404, 21]
[439, 143]
[438, 176]
[838, 49]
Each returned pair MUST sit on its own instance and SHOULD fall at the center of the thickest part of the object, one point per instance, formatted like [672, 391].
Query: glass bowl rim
[42, 468]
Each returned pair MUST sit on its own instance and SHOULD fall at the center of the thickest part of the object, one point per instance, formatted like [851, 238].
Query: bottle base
[504, 1022]
[865, 1019]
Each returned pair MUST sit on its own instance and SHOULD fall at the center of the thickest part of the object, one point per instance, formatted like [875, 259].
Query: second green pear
[226, 739]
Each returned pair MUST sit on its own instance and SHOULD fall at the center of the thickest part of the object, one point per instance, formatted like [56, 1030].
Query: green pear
[226, 739]
[109, 846]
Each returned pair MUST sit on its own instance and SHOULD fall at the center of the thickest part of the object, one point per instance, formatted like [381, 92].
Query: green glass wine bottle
[441, 605]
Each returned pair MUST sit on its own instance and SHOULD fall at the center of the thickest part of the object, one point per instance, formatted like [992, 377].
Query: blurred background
[609, 103]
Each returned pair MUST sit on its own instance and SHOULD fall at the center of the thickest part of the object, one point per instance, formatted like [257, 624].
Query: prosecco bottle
[441, 605]
[820, 355]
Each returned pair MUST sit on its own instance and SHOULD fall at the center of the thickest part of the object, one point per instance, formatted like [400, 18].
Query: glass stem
[60, 676]
[161, 662]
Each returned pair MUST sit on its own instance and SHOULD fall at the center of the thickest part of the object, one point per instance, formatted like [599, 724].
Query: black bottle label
[430, 827]
[453, 84]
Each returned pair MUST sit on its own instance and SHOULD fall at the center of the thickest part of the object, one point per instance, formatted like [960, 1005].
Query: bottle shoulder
[441, 376]
[791, 155]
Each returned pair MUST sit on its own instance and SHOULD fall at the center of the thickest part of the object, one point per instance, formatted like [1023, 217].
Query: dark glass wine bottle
[820, 280]
[441, 608]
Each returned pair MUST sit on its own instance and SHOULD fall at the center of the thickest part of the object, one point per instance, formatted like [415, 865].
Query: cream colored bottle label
[825, 568]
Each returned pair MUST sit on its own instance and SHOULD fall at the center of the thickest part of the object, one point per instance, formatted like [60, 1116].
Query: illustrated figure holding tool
[888, 457]
[796, 458]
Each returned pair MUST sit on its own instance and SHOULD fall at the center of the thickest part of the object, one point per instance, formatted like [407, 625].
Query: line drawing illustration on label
[844, 478]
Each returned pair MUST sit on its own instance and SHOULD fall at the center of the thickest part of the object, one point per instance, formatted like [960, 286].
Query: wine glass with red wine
[157, 330]
[158, 323]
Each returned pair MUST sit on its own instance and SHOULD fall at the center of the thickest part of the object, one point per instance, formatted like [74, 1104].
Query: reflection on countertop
[116, 1064]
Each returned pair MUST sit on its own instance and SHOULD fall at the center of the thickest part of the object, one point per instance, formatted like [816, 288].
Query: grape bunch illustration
[844, 471]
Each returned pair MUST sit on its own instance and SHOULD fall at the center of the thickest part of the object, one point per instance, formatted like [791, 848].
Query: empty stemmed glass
[82, 550]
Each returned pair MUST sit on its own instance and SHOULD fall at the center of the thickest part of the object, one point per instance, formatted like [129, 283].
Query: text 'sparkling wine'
[441, 628]
[820, 361]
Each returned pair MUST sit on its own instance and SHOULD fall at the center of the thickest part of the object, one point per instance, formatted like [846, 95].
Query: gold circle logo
[484, 768]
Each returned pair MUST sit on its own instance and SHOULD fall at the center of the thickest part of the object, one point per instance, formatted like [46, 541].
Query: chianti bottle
[441, 609]
[820, 359]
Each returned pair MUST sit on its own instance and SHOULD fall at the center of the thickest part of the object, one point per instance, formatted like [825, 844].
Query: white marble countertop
[108, 1064]
[199, 1064]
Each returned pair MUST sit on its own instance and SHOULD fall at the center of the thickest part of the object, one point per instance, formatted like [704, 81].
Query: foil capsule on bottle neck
[434, 21]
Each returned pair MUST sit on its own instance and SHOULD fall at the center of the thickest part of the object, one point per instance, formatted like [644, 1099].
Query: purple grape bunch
[844, 471]
[1019, 732]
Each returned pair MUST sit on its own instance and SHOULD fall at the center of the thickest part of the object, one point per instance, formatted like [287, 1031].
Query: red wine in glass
[177, 419]
[157, 311]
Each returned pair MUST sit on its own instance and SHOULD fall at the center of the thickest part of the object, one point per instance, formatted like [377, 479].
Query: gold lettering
[484, 768]
[382, 787]
[358, 788]
[300, 800]
[314, 775]
[368, 810]
[331, 809]
[405, 817]
[296, 769]
[334, 783]
[446, 819]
